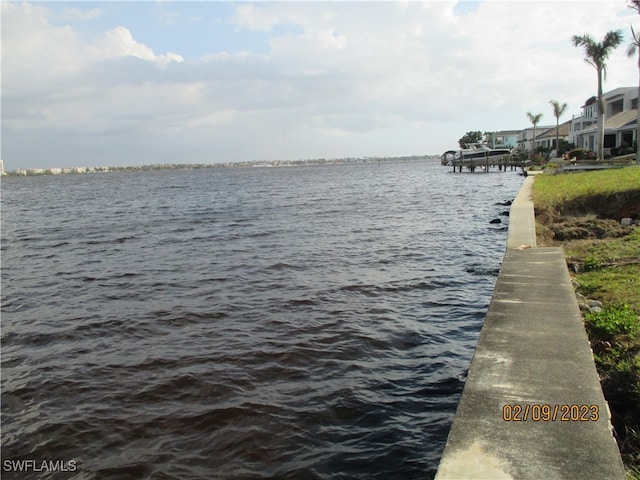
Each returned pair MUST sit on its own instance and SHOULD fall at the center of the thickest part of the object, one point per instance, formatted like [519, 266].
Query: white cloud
[338, 79]
[119, 42]
[33, 50]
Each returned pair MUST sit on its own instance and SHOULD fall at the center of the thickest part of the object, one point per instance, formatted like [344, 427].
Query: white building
[525, 138]
[620, 120]
[548, 139]
[505, 139]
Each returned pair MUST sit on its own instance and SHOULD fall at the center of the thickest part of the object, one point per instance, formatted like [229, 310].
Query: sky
[133, 83]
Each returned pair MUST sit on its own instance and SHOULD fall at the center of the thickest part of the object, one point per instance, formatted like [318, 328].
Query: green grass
[612, 285]
[552, 192]
[608, 250]
[611, 269]
[614, 332]
[610, 272]
[613, 320]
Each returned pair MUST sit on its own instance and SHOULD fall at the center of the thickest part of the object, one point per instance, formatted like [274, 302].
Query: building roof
[618, 121]
[563, 131]
[610, 94]
[539, 129]
[621, 119]
[620, 91]
[504, 133]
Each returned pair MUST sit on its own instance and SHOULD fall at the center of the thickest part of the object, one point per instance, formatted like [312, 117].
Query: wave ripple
[300, 323]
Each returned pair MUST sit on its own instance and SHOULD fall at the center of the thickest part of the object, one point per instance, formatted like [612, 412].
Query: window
[589, 111]
[615, 107]
[609, 141]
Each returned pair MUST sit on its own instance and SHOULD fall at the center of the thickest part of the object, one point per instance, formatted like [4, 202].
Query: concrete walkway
[532, 406]
[522, 224]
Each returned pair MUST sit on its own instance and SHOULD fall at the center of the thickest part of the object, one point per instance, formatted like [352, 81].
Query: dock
[487, 162]
[502, 163]
[532, 406]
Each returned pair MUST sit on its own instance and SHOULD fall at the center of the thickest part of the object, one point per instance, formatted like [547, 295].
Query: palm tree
[557, 111]
[534, 119]
[596, 54]
[631, 51]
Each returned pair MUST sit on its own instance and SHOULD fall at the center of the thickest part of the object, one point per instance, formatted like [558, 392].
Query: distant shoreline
[30, 172]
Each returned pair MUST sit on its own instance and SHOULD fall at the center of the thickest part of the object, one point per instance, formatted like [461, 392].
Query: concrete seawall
[532, 405]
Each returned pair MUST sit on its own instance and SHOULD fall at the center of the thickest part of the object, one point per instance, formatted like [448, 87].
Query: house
[620, 120]
[582, 128]
[620, 126]
[548, 138]
[621, 129]
[505, 139]
[525, 137]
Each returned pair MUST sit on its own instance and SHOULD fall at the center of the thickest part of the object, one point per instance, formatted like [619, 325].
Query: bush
[582, 154]
[518, 157]
[624, 149]
[565, 147]
[543, 150]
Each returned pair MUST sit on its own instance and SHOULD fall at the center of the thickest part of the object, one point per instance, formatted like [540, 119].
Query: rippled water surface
[305, 322]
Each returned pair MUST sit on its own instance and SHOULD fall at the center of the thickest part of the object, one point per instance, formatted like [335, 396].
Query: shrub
[565, 147]
[582, 154]
[624, 149]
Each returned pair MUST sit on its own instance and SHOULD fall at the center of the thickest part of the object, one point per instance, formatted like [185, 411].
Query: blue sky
[192, 28]
[125, 83]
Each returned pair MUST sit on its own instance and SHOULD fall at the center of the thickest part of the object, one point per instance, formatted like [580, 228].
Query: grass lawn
[605, 266]
[564, 191]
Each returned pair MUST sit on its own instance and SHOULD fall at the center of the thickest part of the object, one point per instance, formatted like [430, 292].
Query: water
[305, 323]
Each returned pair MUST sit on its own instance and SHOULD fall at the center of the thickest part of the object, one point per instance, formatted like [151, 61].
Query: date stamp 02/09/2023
[550, 413]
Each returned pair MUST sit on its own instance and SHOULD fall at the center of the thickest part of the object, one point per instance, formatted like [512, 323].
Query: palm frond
[534, 118]
[633, 46]
[580, 40]
[558, 109]
[611, 40]
[596, 53]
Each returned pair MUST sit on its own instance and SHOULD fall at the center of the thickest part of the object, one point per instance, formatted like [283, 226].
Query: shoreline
[532, 355]
[33, 172]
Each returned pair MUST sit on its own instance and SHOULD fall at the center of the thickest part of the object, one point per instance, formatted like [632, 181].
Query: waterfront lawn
[610, 273]
[608, 270]
[570, 191]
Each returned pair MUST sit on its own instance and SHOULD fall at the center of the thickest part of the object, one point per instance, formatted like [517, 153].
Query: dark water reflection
[307, 323]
